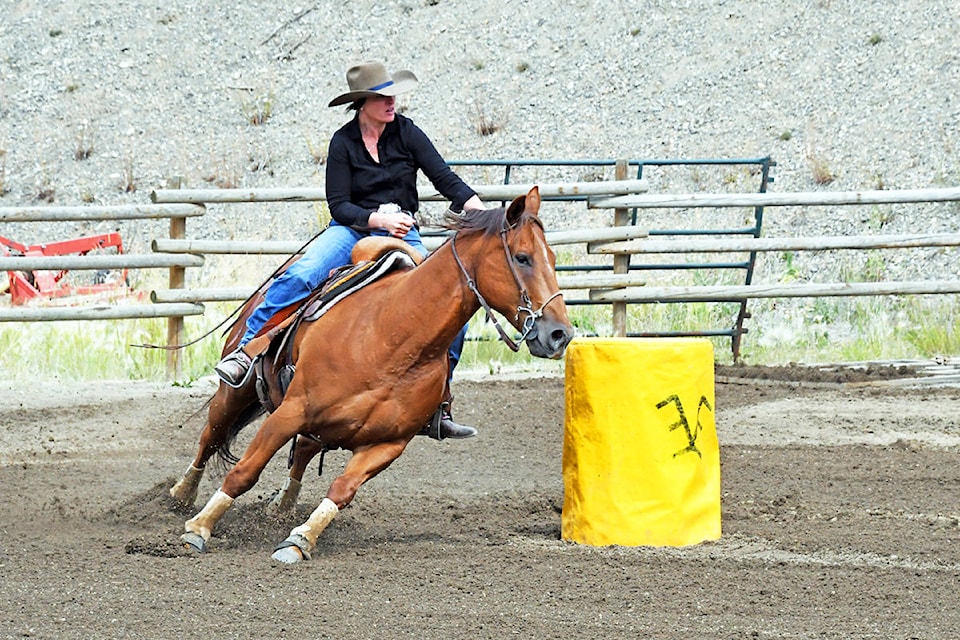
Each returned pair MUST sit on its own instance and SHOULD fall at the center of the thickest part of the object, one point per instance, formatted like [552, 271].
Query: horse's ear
[533, 201]
[529, 203]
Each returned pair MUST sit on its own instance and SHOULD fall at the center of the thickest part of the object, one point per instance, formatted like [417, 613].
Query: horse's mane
[487, 221]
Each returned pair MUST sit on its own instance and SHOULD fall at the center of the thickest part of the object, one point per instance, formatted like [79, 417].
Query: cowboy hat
[371, 79]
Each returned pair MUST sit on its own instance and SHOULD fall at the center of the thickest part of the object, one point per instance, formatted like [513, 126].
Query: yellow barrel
[641, 462]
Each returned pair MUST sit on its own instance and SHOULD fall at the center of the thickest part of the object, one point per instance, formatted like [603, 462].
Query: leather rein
[525, 307]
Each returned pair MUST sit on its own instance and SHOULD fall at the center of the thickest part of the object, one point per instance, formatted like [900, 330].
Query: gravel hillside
[103, 101]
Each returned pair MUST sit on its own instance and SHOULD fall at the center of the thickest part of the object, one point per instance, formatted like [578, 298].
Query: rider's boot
[442, 426]
[449, 428]
[235, 367]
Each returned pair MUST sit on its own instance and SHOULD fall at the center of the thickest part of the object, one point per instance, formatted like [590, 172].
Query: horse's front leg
[226, 407]
[276, 430]
[305, 450]
[365, 463]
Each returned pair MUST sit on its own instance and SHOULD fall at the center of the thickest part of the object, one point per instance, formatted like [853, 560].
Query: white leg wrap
[185, 489]
[202, 524]
[317, 522]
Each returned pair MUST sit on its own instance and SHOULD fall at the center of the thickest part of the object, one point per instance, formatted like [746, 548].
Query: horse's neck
[439, 293]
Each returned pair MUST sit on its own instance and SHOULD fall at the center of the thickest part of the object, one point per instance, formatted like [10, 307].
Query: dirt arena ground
[840, 520]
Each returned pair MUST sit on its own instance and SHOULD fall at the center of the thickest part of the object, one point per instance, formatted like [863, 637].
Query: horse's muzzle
[549, 338]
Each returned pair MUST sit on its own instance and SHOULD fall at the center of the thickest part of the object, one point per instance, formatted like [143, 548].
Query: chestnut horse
[372, 370]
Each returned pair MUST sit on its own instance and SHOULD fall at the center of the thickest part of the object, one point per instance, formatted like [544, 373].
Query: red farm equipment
[26, 286]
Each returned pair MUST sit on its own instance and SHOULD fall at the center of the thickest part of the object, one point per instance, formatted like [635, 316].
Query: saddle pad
[351, 278]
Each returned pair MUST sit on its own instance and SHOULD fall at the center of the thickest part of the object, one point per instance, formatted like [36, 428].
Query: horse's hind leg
[365, 463]
[305, 450]
[226, 408]
[276, 430]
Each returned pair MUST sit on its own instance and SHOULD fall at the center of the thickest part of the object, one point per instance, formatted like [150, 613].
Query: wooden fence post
[621, 262]
[178, 230]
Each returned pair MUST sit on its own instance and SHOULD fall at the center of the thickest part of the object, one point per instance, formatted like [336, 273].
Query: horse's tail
[245, 417]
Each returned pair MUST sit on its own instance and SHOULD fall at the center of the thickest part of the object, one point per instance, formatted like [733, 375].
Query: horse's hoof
[183, 496]
[193, 542]
[181, 502]
[280, 505]
[292, 550]
[285, 499]
[273, 507]
[289, 555]
[185, 489]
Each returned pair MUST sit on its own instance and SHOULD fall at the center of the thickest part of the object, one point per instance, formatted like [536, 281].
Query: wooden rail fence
[177, 215]
[178, 253]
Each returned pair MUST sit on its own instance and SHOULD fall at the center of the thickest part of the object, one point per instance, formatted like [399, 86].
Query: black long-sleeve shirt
[357, 185]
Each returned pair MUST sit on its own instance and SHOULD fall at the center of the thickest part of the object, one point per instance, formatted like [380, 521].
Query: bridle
[526, 306]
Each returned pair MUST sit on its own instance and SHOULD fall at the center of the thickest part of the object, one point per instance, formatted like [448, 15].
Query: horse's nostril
[560, 336]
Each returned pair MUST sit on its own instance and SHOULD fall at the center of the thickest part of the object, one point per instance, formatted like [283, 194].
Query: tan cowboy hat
[371, 79]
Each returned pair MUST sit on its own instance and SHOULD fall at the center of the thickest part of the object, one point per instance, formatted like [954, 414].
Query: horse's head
[514, 274]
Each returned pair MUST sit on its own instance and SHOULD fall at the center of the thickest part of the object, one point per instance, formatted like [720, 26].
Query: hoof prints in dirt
[372, 522]
[822, 536]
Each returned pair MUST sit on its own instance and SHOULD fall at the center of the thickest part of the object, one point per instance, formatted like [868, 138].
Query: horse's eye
[522, 259]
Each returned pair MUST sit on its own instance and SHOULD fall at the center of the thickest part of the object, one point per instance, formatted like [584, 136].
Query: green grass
[803, 330]
[853, 329]
[101, 350]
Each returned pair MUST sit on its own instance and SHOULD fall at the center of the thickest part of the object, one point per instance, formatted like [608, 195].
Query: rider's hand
[396, 224]
[474, 203]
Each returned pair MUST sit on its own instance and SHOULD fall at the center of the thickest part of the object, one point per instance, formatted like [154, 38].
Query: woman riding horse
[371, 370]
[371, 186]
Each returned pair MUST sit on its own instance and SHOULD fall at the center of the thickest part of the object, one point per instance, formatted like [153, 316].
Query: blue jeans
[329, 251]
